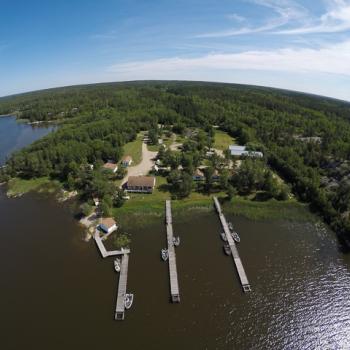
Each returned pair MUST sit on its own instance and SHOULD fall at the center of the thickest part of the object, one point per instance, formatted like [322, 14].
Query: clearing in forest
[223, 140]
[134, 149]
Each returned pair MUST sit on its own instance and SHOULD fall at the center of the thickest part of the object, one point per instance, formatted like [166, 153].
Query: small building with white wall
[126, 161]
[241, 151]
[108, 225]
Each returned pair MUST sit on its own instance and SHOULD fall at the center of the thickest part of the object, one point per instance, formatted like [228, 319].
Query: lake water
[14, 136]
[58, 293]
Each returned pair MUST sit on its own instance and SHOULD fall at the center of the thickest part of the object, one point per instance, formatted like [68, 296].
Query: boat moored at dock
[227, 249]
[129, 299]
[117, 265]
[223, 236]
[176, 241]
[235, 236]
[164, 254]
[228, 228]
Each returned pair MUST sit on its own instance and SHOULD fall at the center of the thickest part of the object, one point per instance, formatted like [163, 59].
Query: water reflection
[14, 136]
[56, 291]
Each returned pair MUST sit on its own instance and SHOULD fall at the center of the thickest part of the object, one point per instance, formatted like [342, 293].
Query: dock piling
[123, 278]
[237, 260]
[174, 284]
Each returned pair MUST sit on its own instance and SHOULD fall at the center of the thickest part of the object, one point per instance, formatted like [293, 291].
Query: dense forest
[305, 139]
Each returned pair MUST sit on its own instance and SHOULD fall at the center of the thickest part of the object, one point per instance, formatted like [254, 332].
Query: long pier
[237, 260]
[123, 278]
[174, 284]
[104, 252]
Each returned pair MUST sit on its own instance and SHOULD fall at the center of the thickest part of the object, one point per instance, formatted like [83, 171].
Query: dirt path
[144, 166]
[175, 146]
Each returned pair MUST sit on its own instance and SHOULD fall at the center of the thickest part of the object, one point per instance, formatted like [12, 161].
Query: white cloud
[286, 9]
[332, 59]
[296, 19]
[336, 19]
[273, 24]
[236, 17]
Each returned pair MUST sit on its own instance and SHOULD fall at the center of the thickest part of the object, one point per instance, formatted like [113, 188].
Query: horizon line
[175, 80]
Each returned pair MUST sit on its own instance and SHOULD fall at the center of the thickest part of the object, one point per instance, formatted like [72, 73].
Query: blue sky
[294, 44]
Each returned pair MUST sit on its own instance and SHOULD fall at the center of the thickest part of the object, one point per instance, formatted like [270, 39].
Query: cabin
[142, 184]
[126, 161]
[198, 175]
[110, 166]
[108, 225]
[241, 151]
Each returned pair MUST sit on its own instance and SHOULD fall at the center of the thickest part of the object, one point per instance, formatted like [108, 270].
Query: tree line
[306, 139]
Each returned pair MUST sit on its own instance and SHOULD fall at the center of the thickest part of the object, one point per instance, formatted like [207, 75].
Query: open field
[134, 149]
[173, 142]
[223, 140]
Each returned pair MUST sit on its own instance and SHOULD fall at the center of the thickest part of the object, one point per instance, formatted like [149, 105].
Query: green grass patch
[153, 148]
[143, 209]
[180, 139]
[134, 149]
[223, 140]
[290, 210]
[17, 186]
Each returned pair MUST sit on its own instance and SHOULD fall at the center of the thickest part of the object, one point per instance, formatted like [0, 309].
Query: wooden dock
[237, 260]
[174, 284]
[123, 278]
[104, 252]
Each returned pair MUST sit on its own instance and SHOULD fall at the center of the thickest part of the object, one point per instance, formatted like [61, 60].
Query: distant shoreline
[27, 121]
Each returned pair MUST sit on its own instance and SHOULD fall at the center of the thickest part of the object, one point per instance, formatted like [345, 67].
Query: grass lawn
[134, 149]
[18, 186]
[153, 148]
[167, 142]
[289, 210]
[142, 207]
[223, 140]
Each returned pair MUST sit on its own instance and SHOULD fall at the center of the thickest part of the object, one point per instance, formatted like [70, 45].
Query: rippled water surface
[58, 293]
[14, 136]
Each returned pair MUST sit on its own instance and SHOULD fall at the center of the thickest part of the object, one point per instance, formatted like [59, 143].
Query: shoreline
[291, 211]
[7, 115]
[145, 212]
[27, 121]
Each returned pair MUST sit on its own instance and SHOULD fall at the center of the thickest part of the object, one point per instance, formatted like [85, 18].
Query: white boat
[117, 265]
[223, 236]
[227, 249]
[235, 236]
[164, 254]
[129, 298]
[176, 241]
